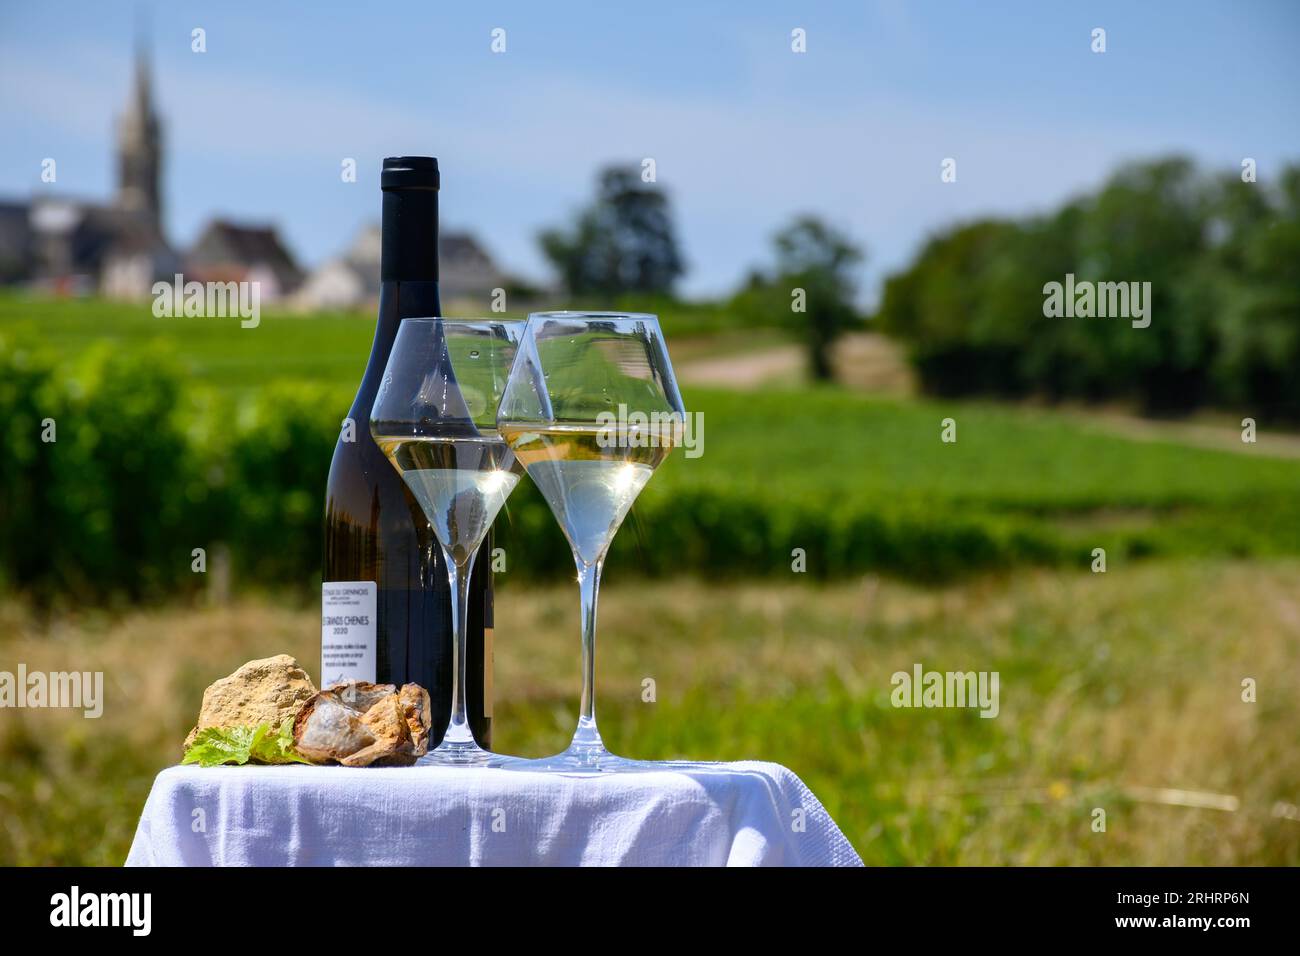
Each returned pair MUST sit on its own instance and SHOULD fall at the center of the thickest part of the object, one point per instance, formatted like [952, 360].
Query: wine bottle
[385, 605]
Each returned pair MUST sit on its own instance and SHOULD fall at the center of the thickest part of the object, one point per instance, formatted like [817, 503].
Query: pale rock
[262, 691]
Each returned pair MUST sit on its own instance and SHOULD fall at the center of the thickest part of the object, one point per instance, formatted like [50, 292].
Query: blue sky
[744, 132]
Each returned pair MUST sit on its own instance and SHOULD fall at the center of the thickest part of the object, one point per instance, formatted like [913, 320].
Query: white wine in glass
[461, 483]
[591, 410]
[435, 420]
[588, 476]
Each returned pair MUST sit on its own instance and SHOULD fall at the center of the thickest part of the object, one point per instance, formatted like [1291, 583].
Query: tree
[1222, 260]
[961, 308]
[623, 242]
[1257, 306]
[817, 258]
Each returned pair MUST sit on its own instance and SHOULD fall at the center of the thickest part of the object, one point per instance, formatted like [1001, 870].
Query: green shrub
[111, 503]
[130, 489]
[29, 402]
[147, 467]
[277, 465]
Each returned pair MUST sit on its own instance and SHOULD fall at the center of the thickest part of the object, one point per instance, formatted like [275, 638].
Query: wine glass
[435, 420]
[591, 409]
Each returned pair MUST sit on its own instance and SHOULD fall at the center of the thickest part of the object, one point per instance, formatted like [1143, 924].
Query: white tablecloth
[735, 814]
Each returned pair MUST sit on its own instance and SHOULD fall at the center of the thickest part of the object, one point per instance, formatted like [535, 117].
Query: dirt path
[781, 363]
[864, 361]
[1219, 433]
[868, 362]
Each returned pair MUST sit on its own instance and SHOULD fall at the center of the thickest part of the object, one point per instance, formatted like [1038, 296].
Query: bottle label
[487, 672]
[347, 632]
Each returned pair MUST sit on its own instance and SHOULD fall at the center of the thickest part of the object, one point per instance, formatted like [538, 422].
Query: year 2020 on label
[347, 632]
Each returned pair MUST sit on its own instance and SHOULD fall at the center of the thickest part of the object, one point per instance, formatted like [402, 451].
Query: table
[685, 814]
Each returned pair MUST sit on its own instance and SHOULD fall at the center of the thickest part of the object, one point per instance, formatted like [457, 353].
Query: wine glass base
[459, 754]
[580, 759]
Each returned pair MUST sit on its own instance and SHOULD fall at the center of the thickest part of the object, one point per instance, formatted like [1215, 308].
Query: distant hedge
[1223, 260]
[146, 466]
[143, 469]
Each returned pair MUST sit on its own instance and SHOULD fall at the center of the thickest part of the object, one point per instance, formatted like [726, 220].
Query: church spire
[139, 147]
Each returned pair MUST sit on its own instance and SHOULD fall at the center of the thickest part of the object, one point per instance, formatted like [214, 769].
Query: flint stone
[268, 691]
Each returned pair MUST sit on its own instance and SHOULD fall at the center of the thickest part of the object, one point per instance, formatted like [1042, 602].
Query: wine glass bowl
[434, 418]
[591, 409]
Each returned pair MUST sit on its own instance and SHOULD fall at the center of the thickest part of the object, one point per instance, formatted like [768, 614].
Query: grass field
[864, 483]
[1119, 691]
[822, 469]
[328, 348]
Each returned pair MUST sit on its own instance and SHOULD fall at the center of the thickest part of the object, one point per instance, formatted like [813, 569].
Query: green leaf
[240, 745]
[277, 747]
[218, 745]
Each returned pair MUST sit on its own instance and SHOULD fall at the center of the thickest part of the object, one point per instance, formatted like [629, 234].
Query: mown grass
[1114, 688]
[329, 348]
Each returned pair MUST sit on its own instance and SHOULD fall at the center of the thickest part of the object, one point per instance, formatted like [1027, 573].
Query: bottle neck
[397, 301]
[409, 235]
[404, 300]
[408, 270]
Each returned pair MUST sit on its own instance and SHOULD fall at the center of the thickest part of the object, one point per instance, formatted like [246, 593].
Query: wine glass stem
[458, 730]
[589, 588]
